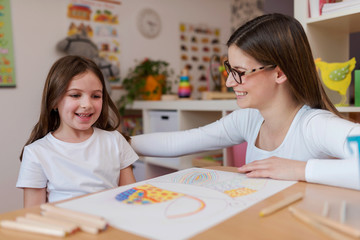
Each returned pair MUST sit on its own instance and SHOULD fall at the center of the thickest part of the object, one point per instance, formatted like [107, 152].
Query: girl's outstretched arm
[34, 196]
[126, 176]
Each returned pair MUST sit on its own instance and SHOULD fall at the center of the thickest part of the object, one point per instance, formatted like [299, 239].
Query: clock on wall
[149, 23]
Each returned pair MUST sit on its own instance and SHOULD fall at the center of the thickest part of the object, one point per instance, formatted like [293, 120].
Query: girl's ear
[280, 77]
[55, 109]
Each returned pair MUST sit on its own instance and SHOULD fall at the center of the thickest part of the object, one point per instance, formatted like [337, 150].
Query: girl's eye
[97, 96]
[74, 95]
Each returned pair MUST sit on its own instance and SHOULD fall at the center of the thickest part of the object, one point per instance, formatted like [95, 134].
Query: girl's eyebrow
[77, 89]
[239, 68]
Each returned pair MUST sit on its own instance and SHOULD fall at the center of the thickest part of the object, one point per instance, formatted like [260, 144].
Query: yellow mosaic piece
[239, 192]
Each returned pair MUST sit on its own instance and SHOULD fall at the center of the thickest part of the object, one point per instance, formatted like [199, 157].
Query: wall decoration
[98, 20]
[337, 77]
[149, 23]
[7, 64]
[245, 10]
[198, 43]
[195, 199]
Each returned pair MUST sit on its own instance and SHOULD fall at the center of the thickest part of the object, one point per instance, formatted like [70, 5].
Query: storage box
[163, 121]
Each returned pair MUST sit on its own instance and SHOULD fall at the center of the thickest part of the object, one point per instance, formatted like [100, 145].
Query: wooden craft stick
[84, 218]
[317, 225]
[37, 223]
[343, 212]
[88, 229]
[330, 223]
[281, 204]
[26, 227]
[68, 226]
[85, 226]
[325, 211]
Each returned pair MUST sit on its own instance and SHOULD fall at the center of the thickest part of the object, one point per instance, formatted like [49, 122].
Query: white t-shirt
[74, 169]
[315, 135]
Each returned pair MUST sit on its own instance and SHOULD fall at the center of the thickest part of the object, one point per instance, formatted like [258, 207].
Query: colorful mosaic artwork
[147, 194]
[194, 199]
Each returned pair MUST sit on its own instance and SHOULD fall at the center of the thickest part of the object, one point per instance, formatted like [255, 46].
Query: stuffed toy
[337, 76]
[80, 44]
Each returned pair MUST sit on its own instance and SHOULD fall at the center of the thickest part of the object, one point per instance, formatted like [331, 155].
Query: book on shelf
[329, 8]
[316, 6]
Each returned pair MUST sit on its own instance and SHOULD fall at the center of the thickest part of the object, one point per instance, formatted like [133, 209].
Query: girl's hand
[276, 168]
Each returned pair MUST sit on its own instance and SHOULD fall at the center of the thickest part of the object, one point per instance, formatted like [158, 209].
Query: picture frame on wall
[7, 64]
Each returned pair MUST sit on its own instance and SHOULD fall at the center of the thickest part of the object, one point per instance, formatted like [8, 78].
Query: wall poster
[98, 20]
[199, 43]
[7, 64]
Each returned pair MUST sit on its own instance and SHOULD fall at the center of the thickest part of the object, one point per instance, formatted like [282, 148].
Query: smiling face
[81, 106]
[258, 89]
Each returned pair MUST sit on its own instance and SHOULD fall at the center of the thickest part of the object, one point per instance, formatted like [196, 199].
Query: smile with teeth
[83, 115]
[241, 93]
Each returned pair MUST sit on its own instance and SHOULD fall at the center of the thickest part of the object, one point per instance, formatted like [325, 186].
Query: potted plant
[146, 81]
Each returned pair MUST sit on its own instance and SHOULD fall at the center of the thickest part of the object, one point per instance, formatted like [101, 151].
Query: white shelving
[350, 109]
[329, 35]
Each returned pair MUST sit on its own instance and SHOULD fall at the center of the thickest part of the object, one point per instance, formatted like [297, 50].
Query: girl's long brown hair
[57, 81]
[281, 40]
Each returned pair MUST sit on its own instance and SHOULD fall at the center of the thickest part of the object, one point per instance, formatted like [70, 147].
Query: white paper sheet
[178, 205]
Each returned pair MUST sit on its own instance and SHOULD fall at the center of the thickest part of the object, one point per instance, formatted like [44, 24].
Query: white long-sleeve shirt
[316, 136]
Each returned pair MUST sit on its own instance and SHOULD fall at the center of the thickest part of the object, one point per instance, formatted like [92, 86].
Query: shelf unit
[191, 114]
[329, 35]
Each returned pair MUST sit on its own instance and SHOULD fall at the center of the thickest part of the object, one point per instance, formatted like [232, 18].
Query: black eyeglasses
[237, 74]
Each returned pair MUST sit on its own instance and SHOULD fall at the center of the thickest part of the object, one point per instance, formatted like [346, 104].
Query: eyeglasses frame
[229, 69]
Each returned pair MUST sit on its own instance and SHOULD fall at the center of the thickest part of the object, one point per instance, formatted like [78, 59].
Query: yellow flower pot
[153, 87]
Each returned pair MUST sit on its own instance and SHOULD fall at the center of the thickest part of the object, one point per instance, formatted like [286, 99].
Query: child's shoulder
[109, 134]
[41, 142]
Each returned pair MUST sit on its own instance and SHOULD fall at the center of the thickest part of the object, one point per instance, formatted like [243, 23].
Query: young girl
[292, 129]
[74, 148]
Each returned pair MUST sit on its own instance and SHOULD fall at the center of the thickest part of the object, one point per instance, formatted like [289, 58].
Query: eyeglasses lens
[235, 75]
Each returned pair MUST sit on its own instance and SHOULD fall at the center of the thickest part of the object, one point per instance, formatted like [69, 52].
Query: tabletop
[246, 224]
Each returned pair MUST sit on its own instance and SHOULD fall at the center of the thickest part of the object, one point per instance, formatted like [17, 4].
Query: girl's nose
[85, 102]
